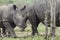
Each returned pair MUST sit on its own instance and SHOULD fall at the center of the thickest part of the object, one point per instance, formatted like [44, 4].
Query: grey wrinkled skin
[36, 14]
[10, 17]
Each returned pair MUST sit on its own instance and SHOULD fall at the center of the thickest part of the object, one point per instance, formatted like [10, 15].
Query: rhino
[36, 14]
[10, 17]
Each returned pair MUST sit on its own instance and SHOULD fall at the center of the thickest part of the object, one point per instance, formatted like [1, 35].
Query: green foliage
[16, 1]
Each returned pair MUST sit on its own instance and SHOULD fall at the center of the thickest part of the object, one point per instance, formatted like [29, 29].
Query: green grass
[28, 31]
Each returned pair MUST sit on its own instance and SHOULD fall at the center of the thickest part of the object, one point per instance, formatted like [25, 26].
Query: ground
[28, 31]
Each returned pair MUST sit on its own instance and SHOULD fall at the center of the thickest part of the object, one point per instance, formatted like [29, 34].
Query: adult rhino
[10, 17]
[36, 14]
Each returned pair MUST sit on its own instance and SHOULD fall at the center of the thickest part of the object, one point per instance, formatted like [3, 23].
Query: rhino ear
[14, 7]
[23, 8]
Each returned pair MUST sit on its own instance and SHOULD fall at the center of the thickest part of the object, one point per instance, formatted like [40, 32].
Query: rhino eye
[23, 15]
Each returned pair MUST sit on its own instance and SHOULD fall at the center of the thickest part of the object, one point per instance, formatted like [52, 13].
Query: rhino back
[40, 9]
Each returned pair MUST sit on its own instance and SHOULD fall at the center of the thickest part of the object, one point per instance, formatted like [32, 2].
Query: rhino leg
[4, 31]
[9, 28]
[35, 24]
[0, 32]
[34, 29]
